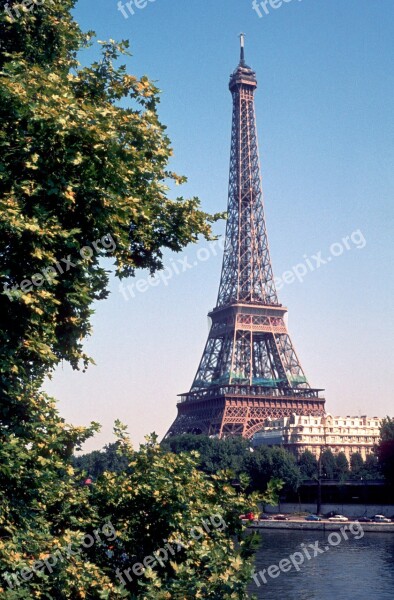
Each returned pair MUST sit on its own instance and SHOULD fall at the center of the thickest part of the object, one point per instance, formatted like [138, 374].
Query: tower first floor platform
[241, 410]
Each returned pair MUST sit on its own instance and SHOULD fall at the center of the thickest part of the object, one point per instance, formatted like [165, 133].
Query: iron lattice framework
[249, 371]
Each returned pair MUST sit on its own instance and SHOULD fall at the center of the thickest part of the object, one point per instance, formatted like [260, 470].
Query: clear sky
[325, 116]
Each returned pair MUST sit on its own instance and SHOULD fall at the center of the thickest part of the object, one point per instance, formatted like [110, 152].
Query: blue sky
[325, 116]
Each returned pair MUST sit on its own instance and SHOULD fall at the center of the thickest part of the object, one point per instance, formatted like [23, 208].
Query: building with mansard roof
[341, 434]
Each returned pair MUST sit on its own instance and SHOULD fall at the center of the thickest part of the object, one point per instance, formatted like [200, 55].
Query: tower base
[237, 412]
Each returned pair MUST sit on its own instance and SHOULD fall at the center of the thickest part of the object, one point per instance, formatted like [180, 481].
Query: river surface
[359, 568]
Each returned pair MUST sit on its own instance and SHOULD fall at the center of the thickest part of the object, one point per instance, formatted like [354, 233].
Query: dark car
[281, 518]
[364, 520]
[265, 517]
[312, 518]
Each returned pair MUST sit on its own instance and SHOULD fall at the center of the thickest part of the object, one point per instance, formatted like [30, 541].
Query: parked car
[392, 519]
[364, 520]
[339, 518]
[312, 518]
[281, 518]
[381, 519]
[265, 517]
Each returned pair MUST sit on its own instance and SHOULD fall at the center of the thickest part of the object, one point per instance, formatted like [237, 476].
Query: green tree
[81, 178]
[187, 443]
[308, 465]
[84, 165]
[162, 496]
[371, 469]
[328, 464]
[356, 465]
[385, 450]
[341, 466]
[43, 507]
[97, 462]
[214, 454]
[266, 463]
[235, 456]
[284, 467]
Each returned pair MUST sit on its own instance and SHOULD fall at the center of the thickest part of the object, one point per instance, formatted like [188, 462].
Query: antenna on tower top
[242, 38]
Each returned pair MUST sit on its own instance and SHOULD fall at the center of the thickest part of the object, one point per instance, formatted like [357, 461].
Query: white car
[339, 518]
[381, 519]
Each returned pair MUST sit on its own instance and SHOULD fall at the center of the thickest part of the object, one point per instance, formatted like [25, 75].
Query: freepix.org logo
[264, 7]
[309, 552]
[48, 563]
[30, 5]
[49, 274]
[128, 8]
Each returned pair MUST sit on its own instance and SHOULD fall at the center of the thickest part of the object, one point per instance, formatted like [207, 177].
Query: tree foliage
[77, 167]
[233, 455]
[328, 464]
[94, 464]
[159, 498]
[385, 450]
[366, 470]
[341, 471]
[356, 465]
[308, 465]
[372, 469]
[162, 496]
[84, 164]
[260, 464]
[214, 454]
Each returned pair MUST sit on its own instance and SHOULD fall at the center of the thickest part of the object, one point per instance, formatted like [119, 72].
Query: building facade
[299, 433]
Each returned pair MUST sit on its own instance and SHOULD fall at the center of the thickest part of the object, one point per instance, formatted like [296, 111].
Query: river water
[361, 567]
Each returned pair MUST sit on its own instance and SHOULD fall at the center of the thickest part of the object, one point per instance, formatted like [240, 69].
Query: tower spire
[242, 41]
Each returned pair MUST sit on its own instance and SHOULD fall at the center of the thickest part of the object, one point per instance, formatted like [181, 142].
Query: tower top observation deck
[243, 74]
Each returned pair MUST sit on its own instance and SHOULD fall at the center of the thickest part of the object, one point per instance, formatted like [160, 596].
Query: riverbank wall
[322, 526]
[348, 510]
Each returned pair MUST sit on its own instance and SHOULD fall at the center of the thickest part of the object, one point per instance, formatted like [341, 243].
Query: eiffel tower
[249, 372]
